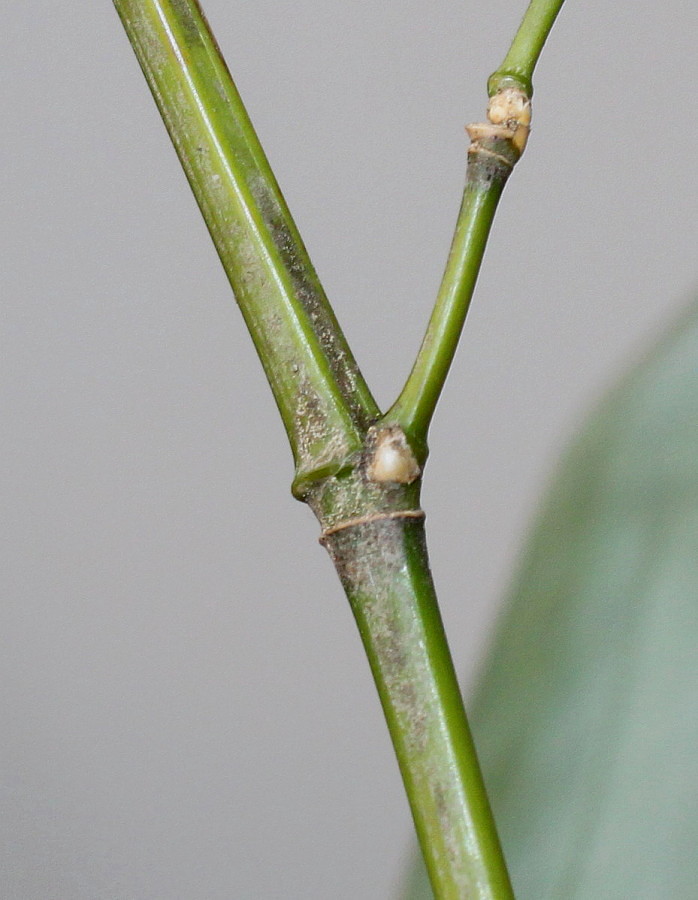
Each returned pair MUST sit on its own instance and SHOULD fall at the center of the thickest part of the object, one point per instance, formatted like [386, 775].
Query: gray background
[186, 710]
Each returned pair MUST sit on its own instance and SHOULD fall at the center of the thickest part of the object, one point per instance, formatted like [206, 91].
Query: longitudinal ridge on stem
[324, 401]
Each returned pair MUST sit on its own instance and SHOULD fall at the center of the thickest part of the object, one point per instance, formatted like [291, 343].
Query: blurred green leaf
[586, 718]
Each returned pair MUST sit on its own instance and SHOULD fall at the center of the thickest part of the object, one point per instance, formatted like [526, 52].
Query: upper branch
[496, 146]
[323, 399]
[518, 65]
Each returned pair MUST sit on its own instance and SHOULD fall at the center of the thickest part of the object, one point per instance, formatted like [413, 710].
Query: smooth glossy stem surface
[414, 408]
[518, 65]
[324, 402]
[383, 566]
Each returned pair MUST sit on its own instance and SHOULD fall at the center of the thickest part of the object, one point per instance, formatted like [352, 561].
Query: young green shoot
[496, 147]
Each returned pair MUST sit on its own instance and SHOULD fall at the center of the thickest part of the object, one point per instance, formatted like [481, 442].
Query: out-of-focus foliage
[586, 717]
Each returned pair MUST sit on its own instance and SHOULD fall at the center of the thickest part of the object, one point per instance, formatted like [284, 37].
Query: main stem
[375, 535]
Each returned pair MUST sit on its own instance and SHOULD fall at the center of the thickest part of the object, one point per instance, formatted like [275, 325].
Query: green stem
[382, 561]
[518, 65]
[414, 408]
[358, 474]
[324, 402]
[495, 151]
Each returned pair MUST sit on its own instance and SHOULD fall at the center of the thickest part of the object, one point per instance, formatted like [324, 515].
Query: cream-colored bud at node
[512, 108]
[392, 459]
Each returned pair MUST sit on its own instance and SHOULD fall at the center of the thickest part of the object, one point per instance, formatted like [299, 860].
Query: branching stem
[415, 406]
[360, 474]
[496, 146]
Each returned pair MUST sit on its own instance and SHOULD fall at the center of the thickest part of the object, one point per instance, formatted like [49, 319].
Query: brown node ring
[367, 520]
